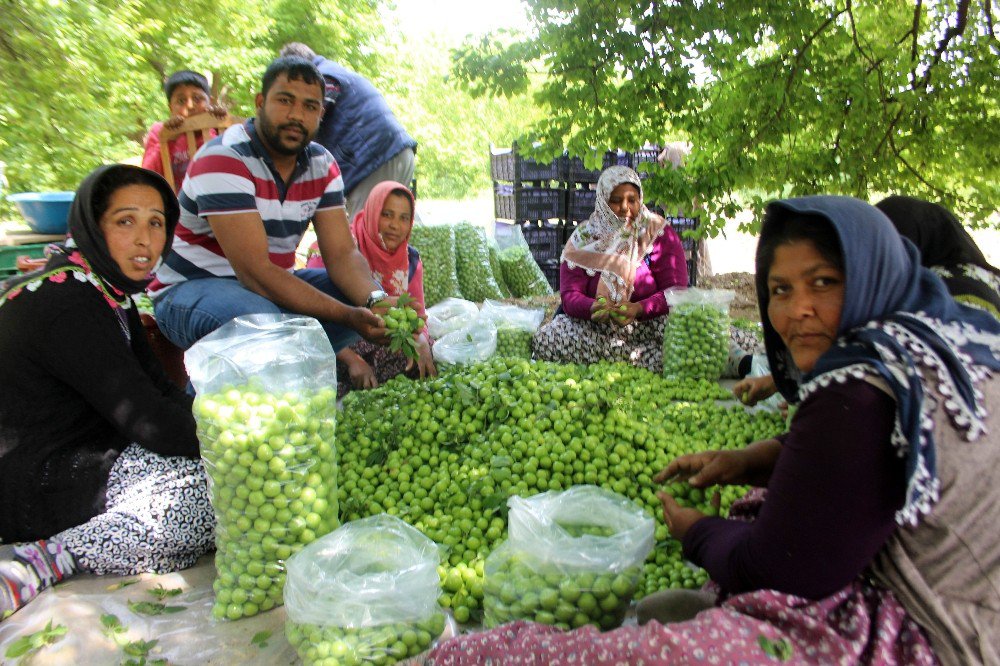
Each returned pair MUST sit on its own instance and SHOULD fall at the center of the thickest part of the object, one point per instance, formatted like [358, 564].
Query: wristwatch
[375, 297]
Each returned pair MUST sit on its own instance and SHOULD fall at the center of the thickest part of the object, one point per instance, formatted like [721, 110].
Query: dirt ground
[744, 306]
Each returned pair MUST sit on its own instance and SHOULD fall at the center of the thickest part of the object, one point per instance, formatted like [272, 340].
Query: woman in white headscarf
[614, 270]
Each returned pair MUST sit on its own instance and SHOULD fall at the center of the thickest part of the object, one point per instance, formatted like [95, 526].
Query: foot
[28, 568]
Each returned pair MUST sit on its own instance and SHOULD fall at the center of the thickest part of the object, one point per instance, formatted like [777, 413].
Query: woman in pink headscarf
[614, 270]
[382, 231]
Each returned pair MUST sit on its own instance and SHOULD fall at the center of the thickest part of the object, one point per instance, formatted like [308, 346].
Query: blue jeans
[188, 311]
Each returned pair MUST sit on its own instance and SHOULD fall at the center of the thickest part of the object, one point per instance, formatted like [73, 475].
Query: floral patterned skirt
[566, 339]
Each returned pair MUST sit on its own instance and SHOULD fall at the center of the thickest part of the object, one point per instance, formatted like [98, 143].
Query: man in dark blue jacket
[359, 128]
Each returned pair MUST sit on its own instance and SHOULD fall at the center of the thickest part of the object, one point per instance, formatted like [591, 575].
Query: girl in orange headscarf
[382, 231]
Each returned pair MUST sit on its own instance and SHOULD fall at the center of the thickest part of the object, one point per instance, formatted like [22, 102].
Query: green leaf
[20, 647]
[780, 649]
[112, 622]
[153, 608]
[139, 648]
[260, 639]
[122, 584]
[161, 592]
[36, 641]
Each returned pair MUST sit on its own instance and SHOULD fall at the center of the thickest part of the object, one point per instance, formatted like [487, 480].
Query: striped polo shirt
[232, 174]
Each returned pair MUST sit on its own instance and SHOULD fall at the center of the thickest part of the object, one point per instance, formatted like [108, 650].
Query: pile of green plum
[513, 341]
[522, 274]
[472, 254]
[436, 244]
[381, 644]
[446, 453]
[696, 341]
[271, 463]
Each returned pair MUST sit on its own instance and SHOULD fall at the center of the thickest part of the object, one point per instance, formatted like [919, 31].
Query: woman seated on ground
[382, 231]
[945, 247]
[98, 452]
[877, 542]
[614, 270]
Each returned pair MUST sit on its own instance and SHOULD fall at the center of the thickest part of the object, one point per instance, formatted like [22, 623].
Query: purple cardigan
[830, 506]
[663, 267]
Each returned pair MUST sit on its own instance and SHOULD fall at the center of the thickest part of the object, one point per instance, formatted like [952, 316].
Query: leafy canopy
[80, 82]
[782, 97]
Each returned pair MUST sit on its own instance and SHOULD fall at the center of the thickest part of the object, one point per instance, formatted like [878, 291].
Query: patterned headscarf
[946, 248]
[899, 324]
[391, 270]
[605, 243]
[85, 250]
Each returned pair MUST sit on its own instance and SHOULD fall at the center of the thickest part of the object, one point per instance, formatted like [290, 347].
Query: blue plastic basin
[45, 212]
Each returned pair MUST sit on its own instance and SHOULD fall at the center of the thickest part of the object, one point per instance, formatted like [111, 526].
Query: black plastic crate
[544, 240]
[649, 154]
[572, 170]
[580, 203]
[617, 158]
[516, 202]
[682, 224]
[567, 230]
[507, 164]
[551, 271]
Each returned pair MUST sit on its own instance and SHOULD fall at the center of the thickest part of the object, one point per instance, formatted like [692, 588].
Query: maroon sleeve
[830, 505]
[574, 289]
[668, 267]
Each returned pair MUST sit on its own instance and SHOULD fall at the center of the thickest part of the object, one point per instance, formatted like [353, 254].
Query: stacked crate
[548, 201]
[526, 193]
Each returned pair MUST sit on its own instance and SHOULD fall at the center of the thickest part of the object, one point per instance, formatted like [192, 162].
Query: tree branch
[798, 60]
[962, 17]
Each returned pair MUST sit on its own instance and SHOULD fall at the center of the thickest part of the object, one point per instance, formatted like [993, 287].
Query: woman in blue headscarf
[877, 542]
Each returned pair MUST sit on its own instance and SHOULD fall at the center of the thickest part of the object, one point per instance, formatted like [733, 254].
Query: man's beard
[272, 135]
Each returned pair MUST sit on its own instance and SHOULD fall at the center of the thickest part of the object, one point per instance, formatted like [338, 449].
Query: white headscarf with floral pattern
[608, 244]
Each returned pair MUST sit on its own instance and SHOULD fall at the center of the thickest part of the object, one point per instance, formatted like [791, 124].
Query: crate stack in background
[549, 200]
[528, 194]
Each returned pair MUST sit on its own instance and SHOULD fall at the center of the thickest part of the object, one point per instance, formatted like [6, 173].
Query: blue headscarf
[899, 323]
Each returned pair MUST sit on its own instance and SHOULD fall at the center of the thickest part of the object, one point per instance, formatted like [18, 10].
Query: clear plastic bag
[696, 337]
[436, 245]
[266, 410]
[470, 344]
[572, 558]
[497, 268]
[515, 327]
[450, 315]
[475, 275]
[759, 367]
[521, 272]
[366, 592]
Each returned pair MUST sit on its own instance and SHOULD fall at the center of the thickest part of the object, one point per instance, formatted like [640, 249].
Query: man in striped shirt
[248, 198]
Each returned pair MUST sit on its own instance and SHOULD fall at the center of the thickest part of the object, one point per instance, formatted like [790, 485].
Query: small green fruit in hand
[403, 323]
